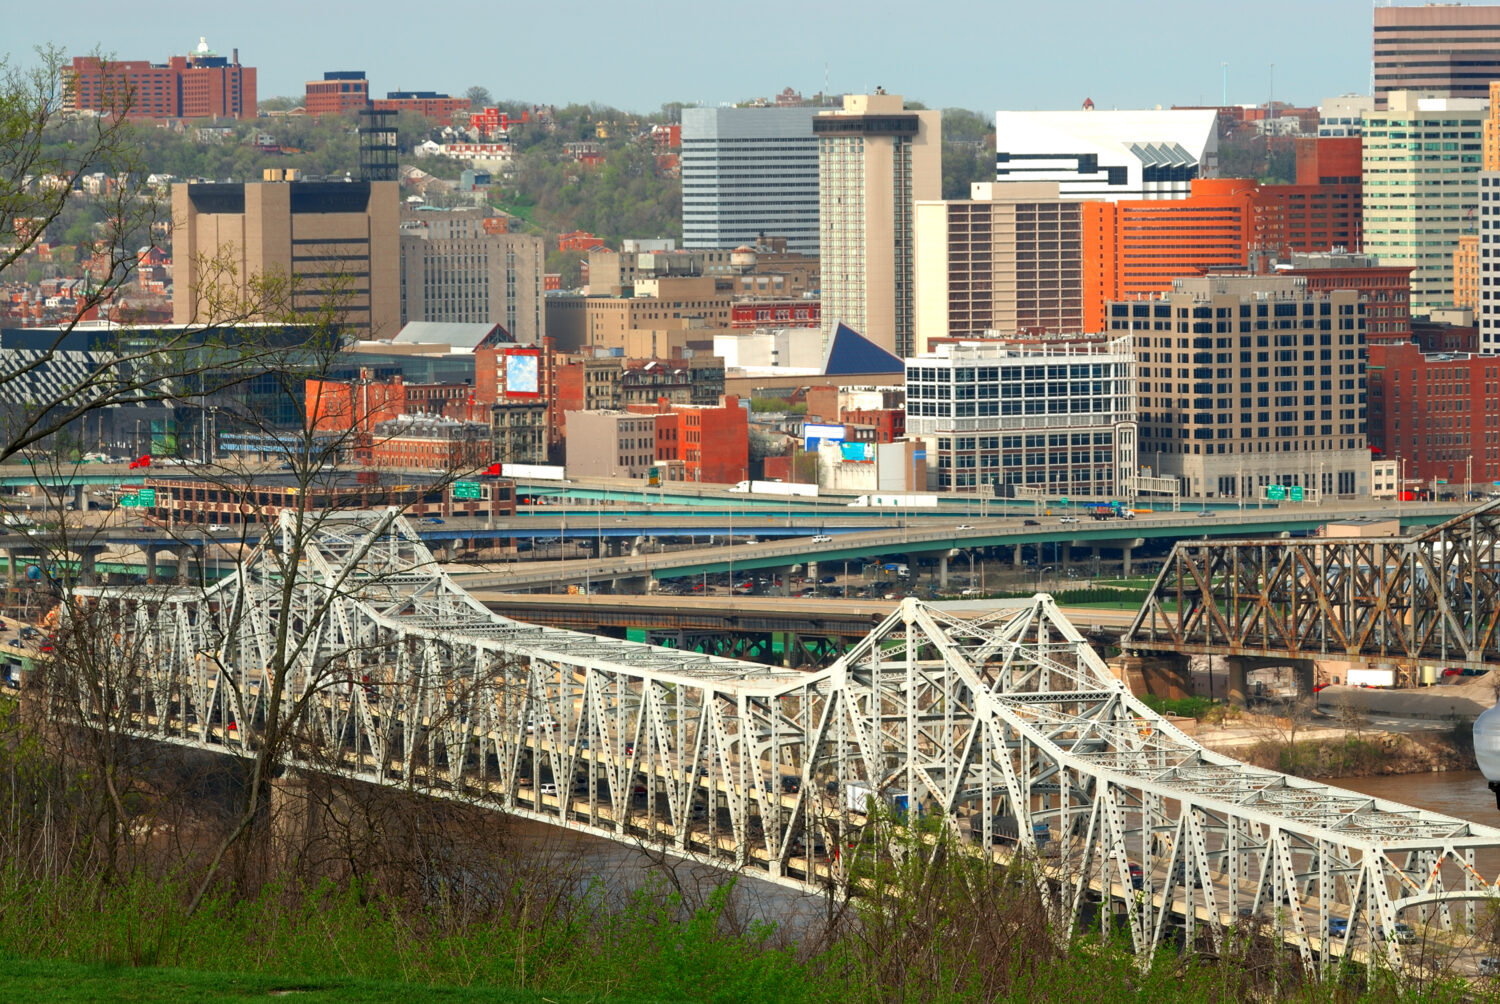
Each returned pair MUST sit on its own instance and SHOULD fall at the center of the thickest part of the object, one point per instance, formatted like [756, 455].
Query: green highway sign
[147, 497]
[1275, 493]
[1295, 493]
[466, 489]
[130, 501]
[1063, 501]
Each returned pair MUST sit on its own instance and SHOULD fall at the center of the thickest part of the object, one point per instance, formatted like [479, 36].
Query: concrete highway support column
[943, 571]
[87, 571]
[1125, 560]
[150, 553]
[1015, 559]
[78, 501]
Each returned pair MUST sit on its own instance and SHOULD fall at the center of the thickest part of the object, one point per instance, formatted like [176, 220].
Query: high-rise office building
[457, 267]
[1008, 259]
[1484, 235]
[1422, 159]
[876, 159]
[1447, 48]
[1246, 381]
[331, 245]
[749, 173]
[1109, 154]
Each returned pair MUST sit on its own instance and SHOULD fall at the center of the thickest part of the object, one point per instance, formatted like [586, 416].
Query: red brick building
[1386, 288]
[578, 240]
[1135, 248]
[439, 109]
[1429, 412]
[339, 406]
[338, 92]
[180, 502]
[1322, 209]
[712, 443]
[198, 86]
[748, 314]
[429, 443]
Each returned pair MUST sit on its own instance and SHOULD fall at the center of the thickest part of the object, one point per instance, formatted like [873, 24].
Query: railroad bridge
[1006, 727]
[1432, 596]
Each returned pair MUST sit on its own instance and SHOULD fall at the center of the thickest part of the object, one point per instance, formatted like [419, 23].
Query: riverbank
[1330, 751]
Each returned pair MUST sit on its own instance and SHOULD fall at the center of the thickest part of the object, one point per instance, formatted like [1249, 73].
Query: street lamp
[1487, 748]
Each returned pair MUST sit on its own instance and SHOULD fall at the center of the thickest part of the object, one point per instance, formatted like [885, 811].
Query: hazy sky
[1017, 54]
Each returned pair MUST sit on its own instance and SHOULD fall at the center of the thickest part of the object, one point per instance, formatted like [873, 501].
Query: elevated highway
[781, 630]
[940, 542]
[1004, 726]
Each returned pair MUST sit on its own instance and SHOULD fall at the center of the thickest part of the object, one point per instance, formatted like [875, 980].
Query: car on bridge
[1338, 927]
[1402, 934]
[822, 538]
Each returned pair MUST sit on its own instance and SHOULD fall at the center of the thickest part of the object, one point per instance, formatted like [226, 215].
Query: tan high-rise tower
[875, 160]
[337, 241]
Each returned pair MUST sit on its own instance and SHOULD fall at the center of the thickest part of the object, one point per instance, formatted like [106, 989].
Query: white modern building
[1344, 115]
[749, 173]
[1109, 154]
[1422, 158]
[1059, 418]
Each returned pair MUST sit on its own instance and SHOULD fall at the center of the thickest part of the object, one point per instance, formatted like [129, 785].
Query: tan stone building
[876, 160]
[1009, 259]
[669, 309]
[1466, 273]
[456, 267]
[337, 241]
[1249, 381]
[610, 444]
[762, 270]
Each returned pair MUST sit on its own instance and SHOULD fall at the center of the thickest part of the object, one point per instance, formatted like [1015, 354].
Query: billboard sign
[523, 373]
[814, 434]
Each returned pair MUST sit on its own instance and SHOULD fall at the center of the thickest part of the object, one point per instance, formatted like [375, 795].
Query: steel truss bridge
[1006, 728]
[1432, 596]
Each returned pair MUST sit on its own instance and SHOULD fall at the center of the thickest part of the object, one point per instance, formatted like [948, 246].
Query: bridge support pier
[1234, 692]
[1158, 674]
[1015, 559]
[150, 553]
[1125, 559]
[943, 571]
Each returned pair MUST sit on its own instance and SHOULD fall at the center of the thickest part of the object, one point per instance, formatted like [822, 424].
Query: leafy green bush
[1181, 707]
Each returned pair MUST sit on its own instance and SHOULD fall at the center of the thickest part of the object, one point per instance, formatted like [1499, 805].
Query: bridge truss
[1431, 596]
[1006, 728]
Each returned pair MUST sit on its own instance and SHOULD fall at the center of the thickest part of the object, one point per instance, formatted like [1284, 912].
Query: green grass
[58, 982]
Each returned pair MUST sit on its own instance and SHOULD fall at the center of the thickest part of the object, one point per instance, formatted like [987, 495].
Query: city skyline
[1175, 56]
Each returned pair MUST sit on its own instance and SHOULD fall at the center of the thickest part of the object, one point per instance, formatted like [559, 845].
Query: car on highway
[963, 526]
[1067, 519]
[434, 519]
[822, 538]
[1206, 514]
[1338, 927]
[1402, 934]
[548, 789]
[1031, 522]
